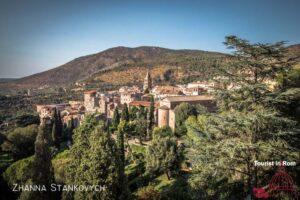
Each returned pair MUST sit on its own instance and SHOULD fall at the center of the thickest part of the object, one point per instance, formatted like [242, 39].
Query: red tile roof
[143, 103]
[90, 92]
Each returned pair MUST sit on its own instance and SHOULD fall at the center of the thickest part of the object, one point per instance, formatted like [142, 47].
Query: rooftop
[189, 98]
[143, 103]
[53, 105]
[90, 92]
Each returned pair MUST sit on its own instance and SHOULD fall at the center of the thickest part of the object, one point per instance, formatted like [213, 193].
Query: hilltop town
[166, 98]
[153, 139]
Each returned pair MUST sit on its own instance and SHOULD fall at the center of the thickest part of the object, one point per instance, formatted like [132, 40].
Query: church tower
[147, 82]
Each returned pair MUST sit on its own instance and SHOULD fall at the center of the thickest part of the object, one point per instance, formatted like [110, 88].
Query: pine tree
[94, 161]
[100, 166]
[125, 113]
[249, 128]
[163, 155]
[78, 151]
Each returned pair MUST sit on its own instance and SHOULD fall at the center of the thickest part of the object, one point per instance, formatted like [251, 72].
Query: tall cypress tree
[42, 167]
[125, 113]
[116, 118]
[151, 113]
[59, 125]
[70, 130]
[123, 189]
[54, 135]
[56, 128]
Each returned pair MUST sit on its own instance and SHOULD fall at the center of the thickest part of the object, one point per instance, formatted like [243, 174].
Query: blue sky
[36, 35]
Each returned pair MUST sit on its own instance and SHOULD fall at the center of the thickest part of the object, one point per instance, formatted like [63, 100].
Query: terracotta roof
[53, 105]
[143, 103]
[189, 98]
[90, 92]
[164, 107]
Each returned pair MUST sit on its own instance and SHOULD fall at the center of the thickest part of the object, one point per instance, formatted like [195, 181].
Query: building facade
[166, 111]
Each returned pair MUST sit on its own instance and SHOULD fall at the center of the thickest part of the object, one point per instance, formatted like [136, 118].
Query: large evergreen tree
[95, 161]
[100, 167]
[249, 128]
[74, 171]
[163, 155]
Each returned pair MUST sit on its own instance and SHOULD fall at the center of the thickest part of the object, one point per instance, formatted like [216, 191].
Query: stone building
[46, 111]
[166, 114]
[161, 92]
[127, 97]
[91, 101]
[194, 91]
[73, 109]
[129, 94]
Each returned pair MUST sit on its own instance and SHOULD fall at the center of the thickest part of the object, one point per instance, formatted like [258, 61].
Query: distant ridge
[119, 64]
[85, 67]
[6, 80]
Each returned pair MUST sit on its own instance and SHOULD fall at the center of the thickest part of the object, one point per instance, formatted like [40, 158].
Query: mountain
[123, 65]
[90, 67]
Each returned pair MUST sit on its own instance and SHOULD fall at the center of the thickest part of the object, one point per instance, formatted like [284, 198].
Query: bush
[19, 172]
[26, 119]
[20, 142]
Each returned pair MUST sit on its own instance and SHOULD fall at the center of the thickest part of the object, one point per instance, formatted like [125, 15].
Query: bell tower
[147, 82]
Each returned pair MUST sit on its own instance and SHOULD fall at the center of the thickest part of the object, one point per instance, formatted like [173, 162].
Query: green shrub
[20, 142]
[19, 172]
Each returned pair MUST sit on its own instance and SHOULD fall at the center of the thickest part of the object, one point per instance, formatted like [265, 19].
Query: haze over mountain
[128, 64]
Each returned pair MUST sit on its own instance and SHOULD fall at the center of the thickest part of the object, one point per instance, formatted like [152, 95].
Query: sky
[37, 35]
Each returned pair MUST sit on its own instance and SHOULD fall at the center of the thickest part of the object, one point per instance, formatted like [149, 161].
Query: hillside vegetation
[122, 65]
[110, 62]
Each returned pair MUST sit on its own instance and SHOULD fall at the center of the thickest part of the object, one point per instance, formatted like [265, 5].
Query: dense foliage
[94, 161]
[249, 127]
[163, 155]
[20, 142]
